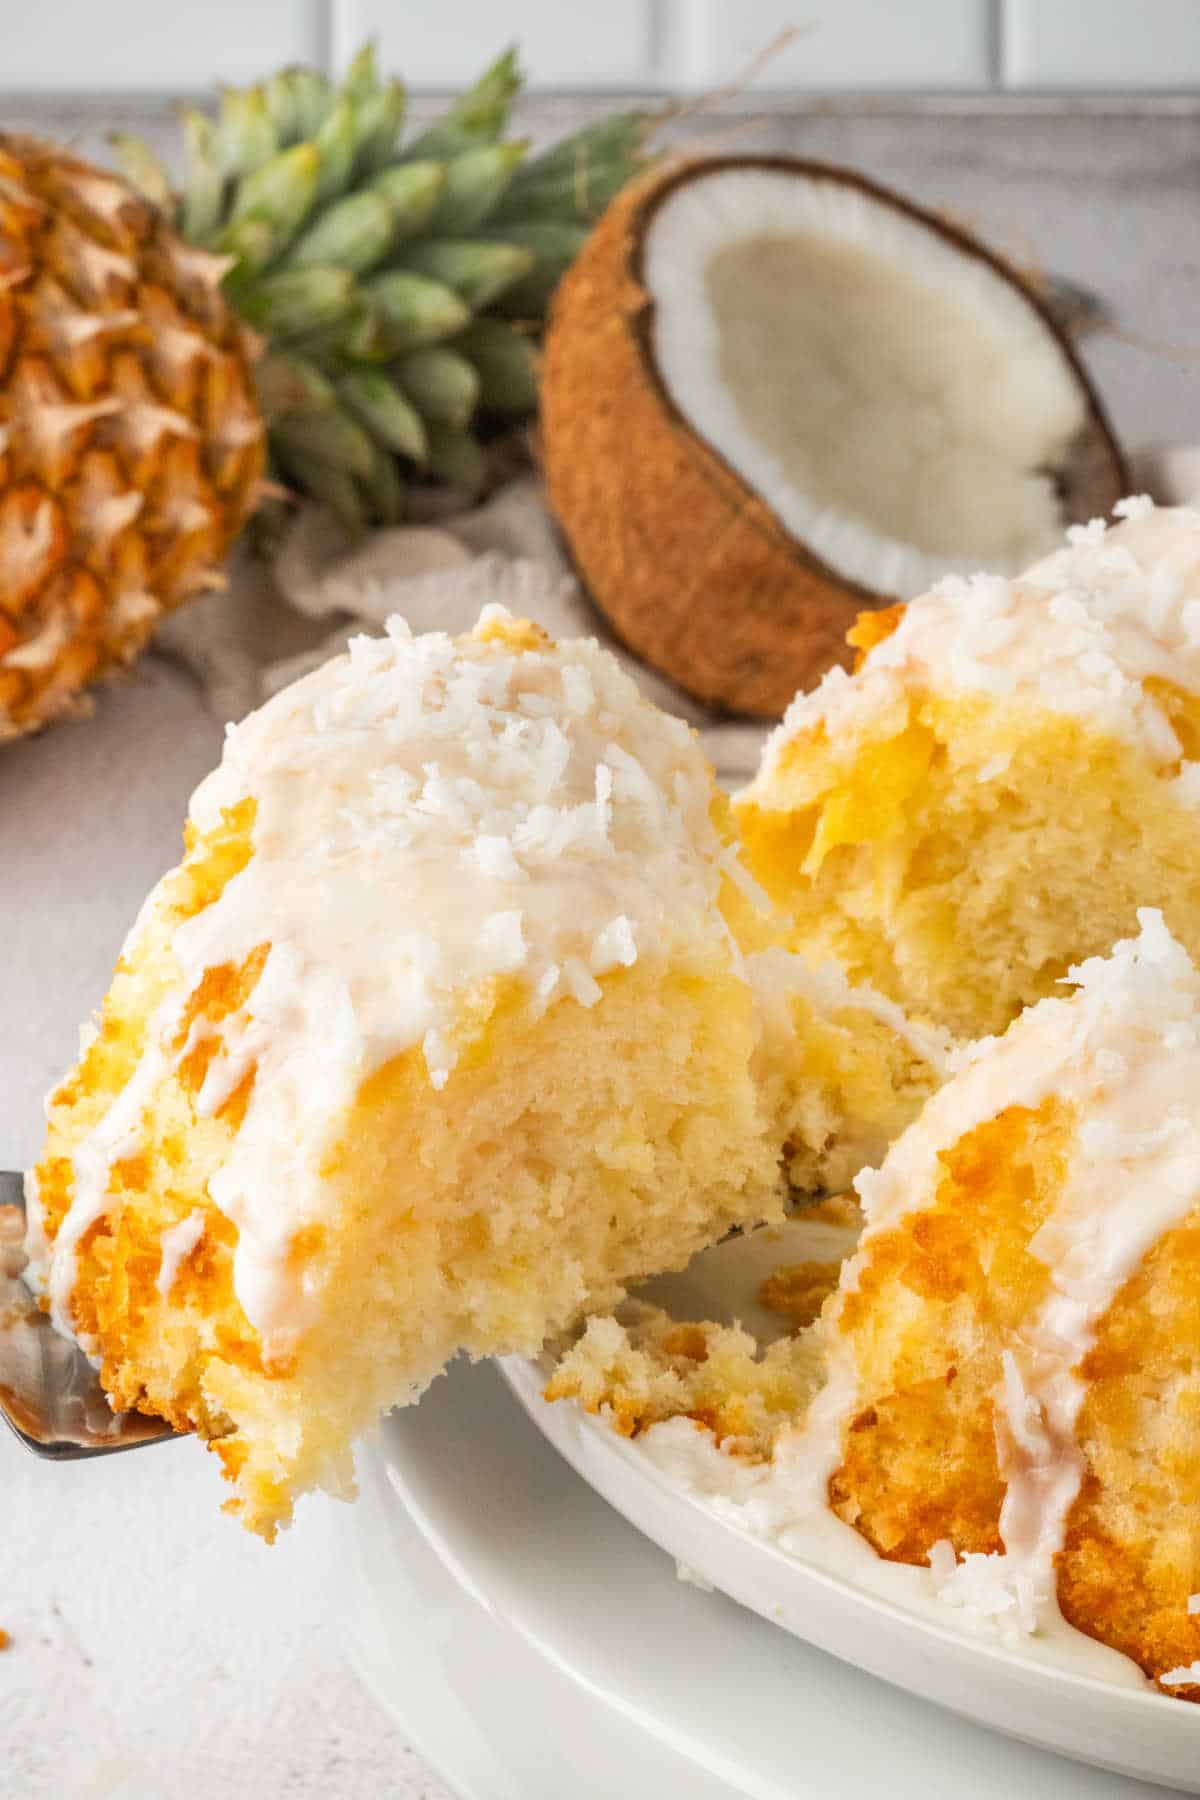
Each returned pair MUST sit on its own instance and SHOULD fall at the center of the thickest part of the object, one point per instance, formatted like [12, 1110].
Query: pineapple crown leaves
[401, 286]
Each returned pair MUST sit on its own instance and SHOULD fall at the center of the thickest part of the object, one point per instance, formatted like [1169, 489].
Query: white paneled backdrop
[130, 46]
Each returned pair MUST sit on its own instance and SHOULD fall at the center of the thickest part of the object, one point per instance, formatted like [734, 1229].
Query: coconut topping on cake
[430, 814]
[1124, 1054]
[177, 1245]
[1081, 632]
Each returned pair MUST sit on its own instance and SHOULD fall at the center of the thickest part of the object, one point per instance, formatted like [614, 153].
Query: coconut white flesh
[897, 404]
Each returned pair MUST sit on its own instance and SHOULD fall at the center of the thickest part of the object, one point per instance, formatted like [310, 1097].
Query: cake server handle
[50, 1395]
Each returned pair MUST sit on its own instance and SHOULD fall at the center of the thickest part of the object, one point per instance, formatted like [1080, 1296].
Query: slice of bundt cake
[1011, 772]
[1015, 1346]
[436, 1039]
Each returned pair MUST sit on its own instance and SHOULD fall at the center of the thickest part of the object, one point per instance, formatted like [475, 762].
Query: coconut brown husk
[691, 568]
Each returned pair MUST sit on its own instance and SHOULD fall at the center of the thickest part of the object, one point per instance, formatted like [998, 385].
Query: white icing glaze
[1186, 1676]
[1124, 1055]
[37, 1241]
[775, 974]
[178, 1242]
[429, 813]
[783, 1503]
[1079, 633]
[52, 1265]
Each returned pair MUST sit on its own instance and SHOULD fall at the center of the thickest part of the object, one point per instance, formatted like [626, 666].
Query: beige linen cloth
[278, 620]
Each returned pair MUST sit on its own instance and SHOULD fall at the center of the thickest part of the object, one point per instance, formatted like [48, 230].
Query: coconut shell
[692, 569]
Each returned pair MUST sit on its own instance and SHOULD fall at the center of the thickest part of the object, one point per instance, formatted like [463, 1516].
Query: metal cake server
[50, 1394]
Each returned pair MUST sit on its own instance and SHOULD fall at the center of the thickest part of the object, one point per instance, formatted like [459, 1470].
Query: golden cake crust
[1022, 1318]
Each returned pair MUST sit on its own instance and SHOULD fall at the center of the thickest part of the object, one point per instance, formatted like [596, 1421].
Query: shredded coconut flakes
[1082, 633]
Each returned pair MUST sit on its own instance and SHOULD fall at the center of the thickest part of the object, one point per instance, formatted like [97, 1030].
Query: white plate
[536, 1647]
[495, 1717]
[1134, 1731]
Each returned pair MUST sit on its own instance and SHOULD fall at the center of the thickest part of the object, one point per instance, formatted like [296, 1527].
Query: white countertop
[158, 1652]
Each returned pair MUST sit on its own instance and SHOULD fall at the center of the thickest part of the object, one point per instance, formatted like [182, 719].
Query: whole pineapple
[131, 445]
[318, 302]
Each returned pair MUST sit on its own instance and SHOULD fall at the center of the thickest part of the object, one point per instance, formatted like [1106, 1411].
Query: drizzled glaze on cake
[429, 814]
[1123, 1055]
[1081, 633]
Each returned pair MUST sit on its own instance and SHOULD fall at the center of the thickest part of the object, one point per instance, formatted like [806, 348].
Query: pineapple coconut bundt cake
[1004, 1387]
[461, 1015]
[437, 1038]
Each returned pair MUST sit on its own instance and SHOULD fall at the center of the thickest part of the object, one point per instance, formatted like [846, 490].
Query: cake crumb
[642, 1367]
[800, 1290]
[835, 1209]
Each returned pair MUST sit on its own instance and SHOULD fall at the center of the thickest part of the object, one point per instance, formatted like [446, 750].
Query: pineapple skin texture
[132, 447]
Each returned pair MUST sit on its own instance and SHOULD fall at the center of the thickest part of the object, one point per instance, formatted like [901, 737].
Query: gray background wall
[73, 45]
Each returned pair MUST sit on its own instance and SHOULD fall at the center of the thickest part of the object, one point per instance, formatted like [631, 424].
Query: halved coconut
[774, 393]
